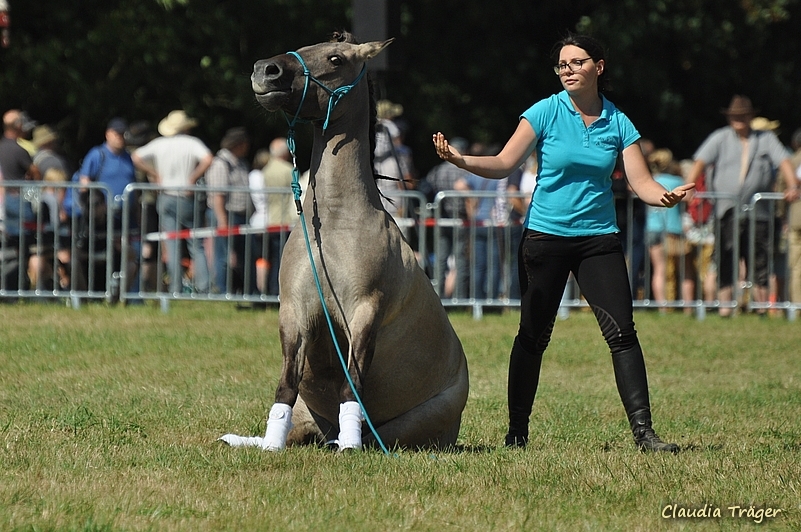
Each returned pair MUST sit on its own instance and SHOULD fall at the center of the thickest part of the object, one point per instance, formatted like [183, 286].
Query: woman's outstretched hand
[673, 197]
[447, 152]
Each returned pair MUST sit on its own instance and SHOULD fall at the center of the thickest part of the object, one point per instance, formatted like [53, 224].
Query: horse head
[307, 83]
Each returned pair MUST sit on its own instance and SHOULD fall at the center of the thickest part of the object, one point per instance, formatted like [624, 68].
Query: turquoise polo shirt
[573, 196]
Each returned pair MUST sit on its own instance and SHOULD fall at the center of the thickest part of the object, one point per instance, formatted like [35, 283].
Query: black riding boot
[524, 377]
[632, 384]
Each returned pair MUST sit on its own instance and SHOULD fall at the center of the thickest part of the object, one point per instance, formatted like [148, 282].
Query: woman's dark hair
[591, 45]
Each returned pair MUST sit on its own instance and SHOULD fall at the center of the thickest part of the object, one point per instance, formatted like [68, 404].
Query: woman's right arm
[517, 149]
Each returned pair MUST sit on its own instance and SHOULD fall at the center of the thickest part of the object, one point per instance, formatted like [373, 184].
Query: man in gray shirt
[232, 208]
[741, 162]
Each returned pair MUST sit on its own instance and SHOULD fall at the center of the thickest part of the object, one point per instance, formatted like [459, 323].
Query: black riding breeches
[599, 266]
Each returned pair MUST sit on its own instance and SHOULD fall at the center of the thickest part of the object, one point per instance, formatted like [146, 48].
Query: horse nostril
[266, 70]
[272, 71]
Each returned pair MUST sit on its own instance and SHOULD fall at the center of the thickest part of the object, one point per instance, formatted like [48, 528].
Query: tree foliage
[466, 68]
[475, 67]
[75, 65]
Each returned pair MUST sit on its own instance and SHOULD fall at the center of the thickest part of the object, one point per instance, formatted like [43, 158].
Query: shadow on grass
[471, 449]
[700, 447]
[451, 449]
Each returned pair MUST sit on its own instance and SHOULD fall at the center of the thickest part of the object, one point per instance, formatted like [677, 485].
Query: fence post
[700, 312]
[478, 311]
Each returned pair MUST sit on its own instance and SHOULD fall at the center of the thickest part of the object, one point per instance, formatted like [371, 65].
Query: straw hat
[387, 110]
[761, 123]
[176, 122]
[43, 135]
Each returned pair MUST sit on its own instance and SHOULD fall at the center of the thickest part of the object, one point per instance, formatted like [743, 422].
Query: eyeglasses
[574, 65]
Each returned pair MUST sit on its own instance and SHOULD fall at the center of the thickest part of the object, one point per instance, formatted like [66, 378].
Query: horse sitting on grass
[405, 364]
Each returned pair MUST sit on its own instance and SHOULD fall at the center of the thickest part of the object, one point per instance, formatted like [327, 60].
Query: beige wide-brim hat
[176, 122]
[761, 123]
[388, 110]
[43, 135]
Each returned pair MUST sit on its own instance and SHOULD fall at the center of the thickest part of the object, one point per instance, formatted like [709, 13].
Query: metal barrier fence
[696, 257]
[46, 252]
[777, 256]
[171, 246]
[163, 258]
[184, 254]
[690, 257]
[482, 250]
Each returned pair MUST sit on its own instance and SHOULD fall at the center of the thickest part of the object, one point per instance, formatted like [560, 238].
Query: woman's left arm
[643, 183]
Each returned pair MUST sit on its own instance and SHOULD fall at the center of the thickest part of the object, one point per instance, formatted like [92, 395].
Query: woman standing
[570, 227]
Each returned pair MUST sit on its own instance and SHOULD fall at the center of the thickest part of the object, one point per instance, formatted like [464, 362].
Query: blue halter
[333, 95]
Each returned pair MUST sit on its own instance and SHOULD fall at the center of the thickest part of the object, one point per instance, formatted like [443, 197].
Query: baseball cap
[118, 124]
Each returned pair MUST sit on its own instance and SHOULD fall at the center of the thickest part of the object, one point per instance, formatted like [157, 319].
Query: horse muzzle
[271, 83]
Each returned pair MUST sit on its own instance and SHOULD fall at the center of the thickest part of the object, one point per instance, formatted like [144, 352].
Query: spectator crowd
[223, 217]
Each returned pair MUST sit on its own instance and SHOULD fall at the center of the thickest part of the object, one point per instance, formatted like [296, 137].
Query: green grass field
[109, 416]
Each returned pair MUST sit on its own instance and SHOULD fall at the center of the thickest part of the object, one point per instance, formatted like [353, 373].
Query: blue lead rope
[334, 97]
[296, 190]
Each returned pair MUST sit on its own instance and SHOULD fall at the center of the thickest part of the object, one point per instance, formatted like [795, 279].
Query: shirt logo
[606, 142]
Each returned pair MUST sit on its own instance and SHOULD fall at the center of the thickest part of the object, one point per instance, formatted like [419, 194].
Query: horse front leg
[279, 420]
[364, 329]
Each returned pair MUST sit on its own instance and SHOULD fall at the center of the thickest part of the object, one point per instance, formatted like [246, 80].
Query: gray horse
[403, 357]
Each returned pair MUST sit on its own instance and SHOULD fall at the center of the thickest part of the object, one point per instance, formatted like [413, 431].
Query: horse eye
[336, 60]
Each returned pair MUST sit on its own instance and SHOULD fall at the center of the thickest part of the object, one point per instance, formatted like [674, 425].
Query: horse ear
[371, 49]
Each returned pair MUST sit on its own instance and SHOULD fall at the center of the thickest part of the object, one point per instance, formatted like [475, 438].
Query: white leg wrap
[241, 441]
[350, 425]
[279, 422]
